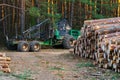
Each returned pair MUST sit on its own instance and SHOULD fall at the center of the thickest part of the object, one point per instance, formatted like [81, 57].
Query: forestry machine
[43, 34]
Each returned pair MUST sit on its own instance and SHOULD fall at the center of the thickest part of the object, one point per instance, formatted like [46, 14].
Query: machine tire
[68, 42]
[35, 46]
[23, 46]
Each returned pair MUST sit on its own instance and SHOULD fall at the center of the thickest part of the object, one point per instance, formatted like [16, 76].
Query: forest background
[22, 14]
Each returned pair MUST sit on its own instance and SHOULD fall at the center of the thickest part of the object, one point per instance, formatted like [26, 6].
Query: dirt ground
[54, 64]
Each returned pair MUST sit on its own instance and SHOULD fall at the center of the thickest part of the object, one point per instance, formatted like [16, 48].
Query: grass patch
[60, 75]
[93, 79]
[1, 73]
[26, 75]
[23, 76]
[57, 68]
[115, 76]
[84, 64]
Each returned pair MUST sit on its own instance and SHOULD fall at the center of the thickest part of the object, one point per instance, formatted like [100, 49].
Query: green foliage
[69, 0]
[23, 76]
[97, 7]
[42, 13]
[54, 15]
[98, 16]
[34, 11]
[84, 64]
[98, 11]
[87, 2]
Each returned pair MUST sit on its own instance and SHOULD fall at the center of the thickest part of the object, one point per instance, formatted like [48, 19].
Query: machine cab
[63, 27]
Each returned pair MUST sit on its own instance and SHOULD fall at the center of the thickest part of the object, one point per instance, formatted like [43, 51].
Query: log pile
[100, 40]
[4, 63]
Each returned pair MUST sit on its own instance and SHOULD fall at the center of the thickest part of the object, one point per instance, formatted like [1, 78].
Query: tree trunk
[118, 8]
[22, 16]
[33, 2]
[38, 6]
[3, 22]
[48, 6]
[72, 12]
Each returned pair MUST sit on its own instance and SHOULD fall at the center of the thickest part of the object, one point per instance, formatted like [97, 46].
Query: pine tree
[100, 8]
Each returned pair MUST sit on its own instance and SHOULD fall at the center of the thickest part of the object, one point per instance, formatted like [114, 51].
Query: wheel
[68, 42]
[35, 46]
[23, 46]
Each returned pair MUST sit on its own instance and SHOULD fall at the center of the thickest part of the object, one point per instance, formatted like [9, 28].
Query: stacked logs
[100, 40]
[4, 63]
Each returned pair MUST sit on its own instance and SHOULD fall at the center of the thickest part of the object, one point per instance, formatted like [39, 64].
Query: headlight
[68, 28]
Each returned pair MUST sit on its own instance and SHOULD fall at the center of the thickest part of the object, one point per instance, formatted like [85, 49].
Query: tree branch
[11, 6]
[5, 17]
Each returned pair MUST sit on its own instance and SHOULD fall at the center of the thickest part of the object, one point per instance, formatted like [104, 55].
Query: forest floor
[54, 64]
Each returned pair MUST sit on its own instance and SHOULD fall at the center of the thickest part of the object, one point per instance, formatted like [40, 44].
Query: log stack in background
[100, 40]
[4, 63]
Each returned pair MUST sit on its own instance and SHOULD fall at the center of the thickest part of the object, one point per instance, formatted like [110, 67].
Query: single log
[4, 65]
[102, 21]
[6, 70]
[107, 30]
[101, 60]
[5, 59]
[110, 35]
[115, 58]
[118, 60]
[100, 65]
[98, 27]
[106, 66]
[2, 54]
[5, 62]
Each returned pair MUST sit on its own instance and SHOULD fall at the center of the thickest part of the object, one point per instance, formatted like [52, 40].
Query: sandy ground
[53, 64]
